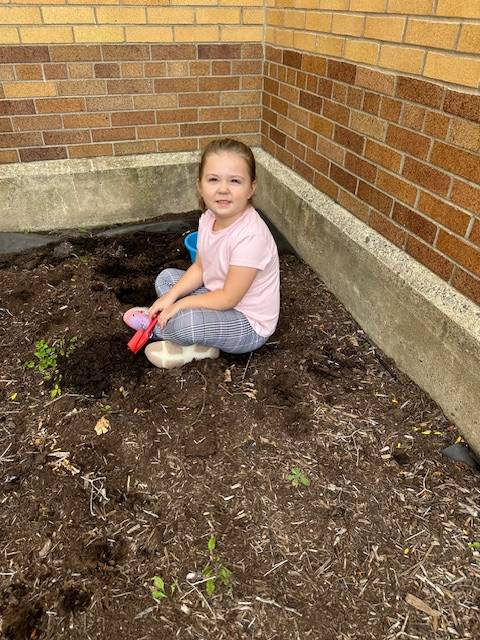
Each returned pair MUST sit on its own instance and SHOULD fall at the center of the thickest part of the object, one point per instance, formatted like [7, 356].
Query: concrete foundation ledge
[430, 330]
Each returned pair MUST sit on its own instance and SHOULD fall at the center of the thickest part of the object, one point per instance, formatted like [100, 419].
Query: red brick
[157, 131]
[303, 169]
[29, 71]
[57, 71]
[36, 123]
[131, 86]
[387, 228]
[219, 51]
[354, 205]
[24, 54]
[90, 150]
[247, 67]
[81, 87]
[43, 153]
[268, 115]
[221, 67]
[374, 197]
[278, 137]
[182, 115]
[318, 162]
[75, 53]
[325, 185]
[117, 52]
[475, 232]
[252, 50]
[462, 163]
[5, 125]
[383, 155]
[292, 59]
[314, 64]
[429, 258]
[16, 107]
[331, 150]
[9, 156]
[137, 146]
[273, 54]
[291, 75]
[248, 113]
[227, 83]
[399, 189]
[390, 109]
[436, 124]
[199, 68]
[460, 251]
[86, 120]
[179, 144]
[336, 112]
[118, 133]
[413, 116]
[413, 143]
[299, 115]
[296, 148]
[198, 99]
[310, 102]
[466, 284]
[307, 137]
[466, 196]
[426, 176]
[311, 84]
[175, 85]
[174, 52]
[107, 70]
[321, 125]
[445, 214]
[77, 136]
[200, 129]
[251, 82]
[342, 71]
[371, 103]
[10, 140]
[155, 69]
[375, 80]
[343, 178]
[125, 118]
[360, 167]
[324, 87]
[349, 139]
[59, 105]
[280, 106]
[413, 222]
[339, 91]
[420, 91]
[290, 94]
[465, 105]
[300, 80]
[240, 126]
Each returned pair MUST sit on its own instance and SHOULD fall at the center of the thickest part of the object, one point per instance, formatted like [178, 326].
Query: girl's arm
[237, 283]
[191, 280]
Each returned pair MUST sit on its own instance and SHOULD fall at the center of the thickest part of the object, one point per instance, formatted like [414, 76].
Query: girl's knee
[166, 279]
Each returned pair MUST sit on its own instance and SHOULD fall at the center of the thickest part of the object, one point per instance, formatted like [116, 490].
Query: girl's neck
[221, 223]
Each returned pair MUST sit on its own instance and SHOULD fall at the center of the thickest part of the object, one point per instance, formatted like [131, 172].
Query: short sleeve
[251, 251]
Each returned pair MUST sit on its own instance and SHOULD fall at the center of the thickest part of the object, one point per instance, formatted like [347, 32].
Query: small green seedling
[214, 570]
[46, 361]
[297, 477]
[475, 546]
[158, 589]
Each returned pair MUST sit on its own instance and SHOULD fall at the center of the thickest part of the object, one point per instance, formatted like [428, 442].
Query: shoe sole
[169, 355]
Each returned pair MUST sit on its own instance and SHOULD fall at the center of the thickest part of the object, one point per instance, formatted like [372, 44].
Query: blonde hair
[232, 146]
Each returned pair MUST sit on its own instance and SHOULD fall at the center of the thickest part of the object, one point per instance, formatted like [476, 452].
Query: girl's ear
[254, 187]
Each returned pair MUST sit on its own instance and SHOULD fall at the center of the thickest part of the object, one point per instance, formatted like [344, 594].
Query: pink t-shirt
[245, 243]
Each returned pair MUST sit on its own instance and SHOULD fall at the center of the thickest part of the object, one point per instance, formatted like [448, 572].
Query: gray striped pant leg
[167, 278]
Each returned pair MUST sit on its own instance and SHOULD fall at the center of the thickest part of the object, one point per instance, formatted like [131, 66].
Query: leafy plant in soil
[214, 570]
[46, 360]
[297, 478]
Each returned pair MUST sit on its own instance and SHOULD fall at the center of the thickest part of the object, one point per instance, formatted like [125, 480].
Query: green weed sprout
[297, 477]
[214, 570]
[46, 361]
[474, 546]
[158, 589]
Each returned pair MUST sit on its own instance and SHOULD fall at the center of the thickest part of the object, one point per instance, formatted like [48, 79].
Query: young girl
[229, 298]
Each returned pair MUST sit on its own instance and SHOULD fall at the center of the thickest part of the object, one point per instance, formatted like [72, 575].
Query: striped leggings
[228, 330]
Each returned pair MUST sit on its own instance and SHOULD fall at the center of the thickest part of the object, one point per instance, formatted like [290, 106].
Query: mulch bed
[372, 537]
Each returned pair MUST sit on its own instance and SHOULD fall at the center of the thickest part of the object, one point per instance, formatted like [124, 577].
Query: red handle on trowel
[142, 336]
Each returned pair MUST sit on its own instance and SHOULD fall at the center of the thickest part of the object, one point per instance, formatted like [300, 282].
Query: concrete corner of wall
[430, 330]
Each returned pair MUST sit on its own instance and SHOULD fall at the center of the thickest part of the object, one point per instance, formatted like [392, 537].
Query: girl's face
[226, 187]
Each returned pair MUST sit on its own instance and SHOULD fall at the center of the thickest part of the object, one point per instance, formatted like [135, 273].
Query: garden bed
[313, 466]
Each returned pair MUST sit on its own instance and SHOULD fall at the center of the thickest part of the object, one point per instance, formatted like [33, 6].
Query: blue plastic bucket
[190, 243]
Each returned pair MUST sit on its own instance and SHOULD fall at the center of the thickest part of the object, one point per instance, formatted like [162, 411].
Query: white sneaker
[168, 355]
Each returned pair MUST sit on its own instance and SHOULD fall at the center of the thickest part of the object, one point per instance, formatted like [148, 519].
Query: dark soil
[87, 520]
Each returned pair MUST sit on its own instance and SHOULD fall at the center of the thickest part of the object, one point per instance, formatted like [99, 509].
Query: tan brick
[241, 34]
[156, 69]
[294, 19]
[120, 15]
[149, 34]
[436, 124]
[451, 68]
[429, 257]
[78, 70]
[216, 15]
[60, 105]
[354, 205]
[48, 35]
[172, 116]
[170, 15]
[283, 37]
[36, 123]
[344, 23]
[475, 232]
[178, 69]
[444, 213]
[20, 15]
[426, 176]
[419, 7]
[413, 116]
[337, 5]
[81, 87]
[316, 21]
[138, 146]
[128, 86]
[466, 284]
[465, 134]
[86, 120]
[55, 71]
[370, 125]
[405, 59]
[197, 34]
[184, 144]
[109, 103]
[116, 133]
[361, 51]
[125, 118]
[383, 155]
[29, 72]
[305, 41]
[99, 34]
[158, 131]
[240, 98]
[469, 38]
[396, 187]
[466, 196]
[432, 33]
[132, 70]
[248, 3]
[9, 35]
[252, 16]
[90, 150]
[7, 157]
[386, 228]
[29, 89]
[68, 15]
[461, 252]
[376, 81]
[7, 72]
[384, 28]
[458, 8]
[456, 161]
[331, 45]
[376, 6]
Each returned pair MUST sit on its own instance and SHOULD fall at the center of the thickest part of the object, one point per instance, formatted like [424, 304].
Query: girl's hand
[160, 304]
[167, 313]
